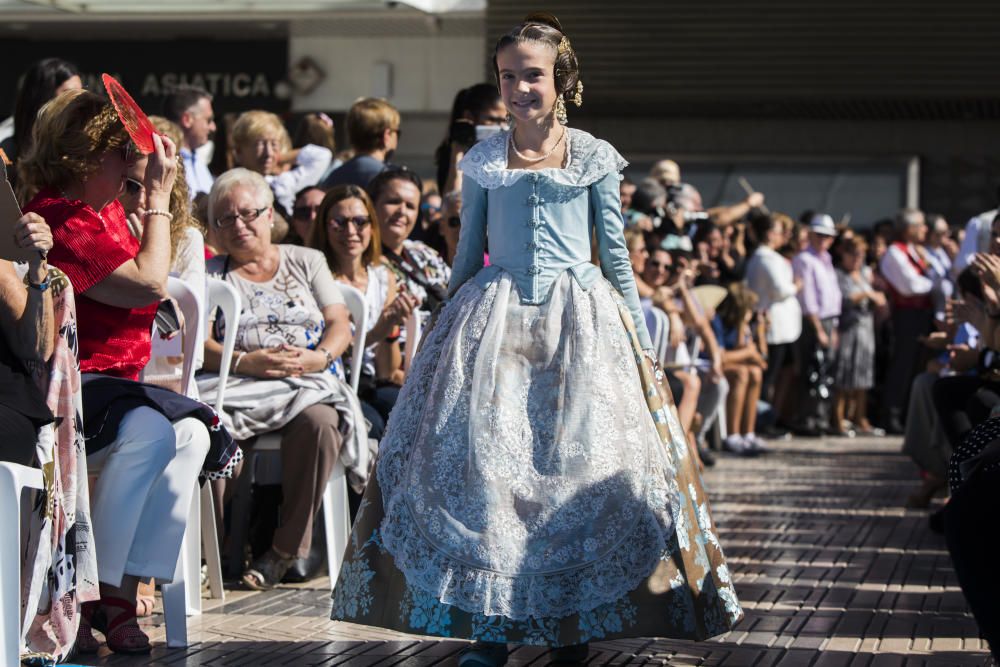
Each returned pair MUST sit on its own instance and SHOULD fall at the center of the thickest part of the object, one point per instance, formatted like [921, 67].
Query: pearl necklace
[535, 159]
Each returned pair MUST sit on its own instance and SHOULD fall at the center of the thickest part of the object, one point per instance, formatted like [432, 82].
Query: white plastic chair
[661, 334]
[14, 479]
[358, 308]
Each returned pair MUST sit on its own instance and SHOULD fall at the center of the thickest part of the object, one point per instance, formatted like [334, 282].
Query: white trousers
[143, 494]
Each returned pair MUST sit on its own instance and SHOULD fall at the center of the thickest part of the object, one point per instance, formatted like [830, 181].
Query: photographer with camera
[668, 174]
[477, 113]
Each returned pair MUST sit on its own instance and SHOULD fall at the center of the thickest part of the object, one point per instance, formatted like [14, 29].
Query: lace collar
[590, 160]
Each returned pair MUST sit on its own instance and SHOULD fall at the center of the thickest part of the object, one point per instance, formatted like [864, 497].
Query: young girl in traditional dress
[533, 485]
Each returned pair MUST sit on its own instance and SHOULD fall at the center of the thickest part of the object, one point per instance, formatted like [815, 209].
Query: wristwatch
[329, 357]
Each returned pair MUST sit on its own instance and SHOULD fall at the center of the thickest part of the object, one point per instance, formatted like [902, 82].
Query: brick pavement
[831, 570]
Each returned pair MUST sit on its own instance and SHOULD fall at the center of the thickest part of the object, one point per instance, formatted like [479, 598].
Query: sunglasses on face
[427, 208]
[133, 187]
[246, 216]
[340, 224]
[660, 265]
[304, 212]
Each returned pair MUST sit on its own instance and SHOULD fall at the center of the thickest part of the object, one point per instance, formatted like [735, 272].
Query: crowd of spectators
[764, 325]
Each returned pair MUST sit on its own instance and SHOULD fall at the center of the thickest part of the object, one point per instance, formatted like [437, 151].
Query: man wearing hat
[820, 299]
[911, 282]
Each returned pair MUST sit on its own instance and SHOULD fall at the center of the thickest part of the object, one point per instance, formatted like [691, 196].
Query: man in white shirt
[191, 108]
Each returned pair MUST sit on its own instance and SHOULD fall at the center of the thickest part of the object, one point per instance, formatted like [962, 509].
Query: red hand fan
[135, 121]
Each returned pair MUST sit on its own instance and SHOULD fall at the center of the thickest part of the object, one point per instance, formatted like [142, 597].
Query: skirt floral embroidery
[534, 486]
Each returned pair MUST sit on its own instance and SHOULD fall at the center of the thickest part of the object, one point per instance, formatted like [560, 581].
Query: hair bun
[544, 18]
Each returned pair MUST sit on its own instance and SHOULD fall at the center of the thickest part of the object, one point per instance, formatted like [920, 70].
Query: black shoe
[483, 654]
[807, 432]
[774, 432]
[936, 521]
[706, 457]
[569, 655]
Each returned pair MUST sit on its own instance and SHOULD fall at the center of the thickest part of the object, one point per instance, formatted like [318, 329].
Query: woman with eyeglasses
[151, 443]
[352, 245]
[307, 201]
[285, 375]
[261, 143]
[187, 238]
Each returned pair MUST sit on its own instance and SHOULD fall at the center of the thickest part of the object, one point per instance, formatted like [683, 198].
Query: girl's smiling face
[527, 80]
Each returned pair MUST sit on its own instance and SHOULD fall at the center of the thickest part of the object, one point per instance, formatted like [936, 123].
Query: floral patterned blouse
[425, 262]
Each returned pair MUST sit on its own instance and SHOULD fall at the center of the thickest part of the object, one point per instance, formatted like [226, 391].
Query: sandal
[483, 654]
[145, 600]
[86, 642]
[122, 633]
[267, 571]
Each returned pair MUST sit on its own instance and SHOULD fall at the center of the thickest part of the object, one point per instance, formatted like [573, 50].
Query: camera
[464, 133]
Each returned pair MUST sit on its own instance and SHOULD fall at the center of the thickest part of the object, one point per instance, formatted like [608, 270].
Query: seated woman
[352, 245]
[743, 362]
[291, 332]
[28, 336]
[151, 443]
[261, 143]
[418, 268]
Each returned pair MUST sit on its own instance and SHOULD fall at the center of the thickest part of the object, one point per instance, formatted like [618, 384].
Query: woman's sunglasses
[340, 224]
[133, 187]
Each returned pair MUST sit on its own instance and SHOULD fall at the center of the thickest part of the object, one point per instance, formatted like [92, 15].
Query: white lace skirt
[522, 472]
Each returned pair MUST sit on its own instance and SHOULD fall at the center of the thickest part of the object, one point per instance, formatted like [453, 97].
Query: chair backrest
[190, 304]
[661, 336]
[414, 331]
[224, 296]
[358, 308]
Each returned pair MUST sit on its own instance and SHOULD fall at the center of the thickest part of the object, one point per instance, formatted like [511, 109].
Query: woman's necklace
[540, 158]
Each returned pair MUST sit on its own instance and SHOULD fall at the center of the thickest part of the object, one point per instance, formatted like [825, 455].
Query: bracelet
[236, 362]
[42, 286]
[156, 211]
[329, 357]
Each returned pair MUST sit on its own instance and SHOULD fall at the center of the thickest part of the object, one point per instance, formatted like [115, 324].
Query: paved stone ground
[831, 570]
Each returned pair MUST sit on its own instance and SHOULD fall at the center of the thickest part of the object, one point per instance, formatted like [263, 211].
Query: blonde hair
[180, 202]
[71, 134]
[367, 121]
[252, 125]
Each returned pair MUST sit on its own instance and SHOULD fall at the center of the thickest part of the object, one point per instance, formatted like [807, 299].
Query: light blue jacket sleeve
[472, 236]
[609, 225]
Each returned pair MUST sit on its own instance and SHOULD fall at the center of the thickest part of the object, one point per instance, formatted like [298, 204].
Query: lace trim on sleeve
[590, 160]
